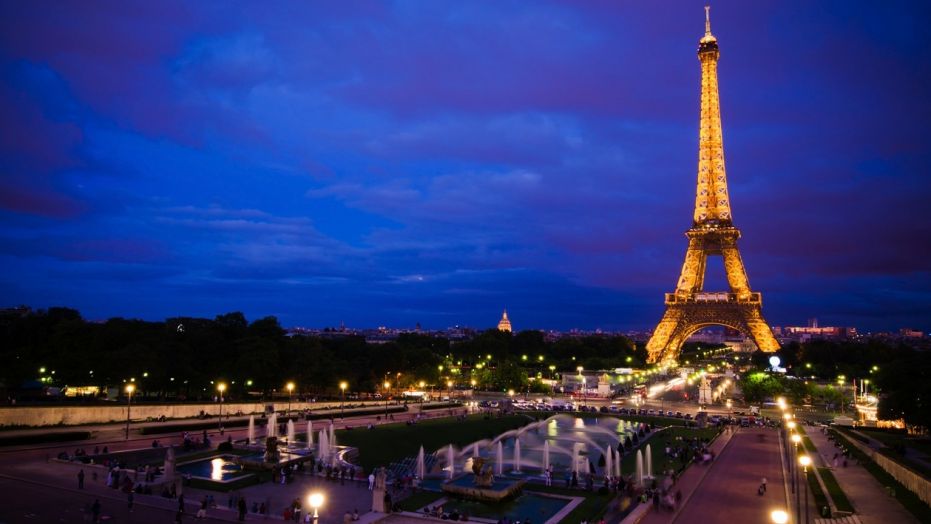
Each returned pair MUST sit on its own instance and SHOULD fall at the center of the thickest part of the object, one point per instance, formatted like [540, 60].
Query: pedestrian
[129, 500]
[81, 479]
[242, 508]
[95, 510]
[764, 484]
[371, 481]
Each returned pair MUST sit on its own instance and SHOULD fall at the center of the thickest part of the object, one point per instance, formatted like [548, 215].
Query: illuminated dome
[504, 324]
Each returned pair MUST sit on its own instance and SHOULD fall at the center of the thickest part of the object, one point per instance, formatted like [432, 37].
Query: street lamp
[290, 387]
[779, 517]
[342, 396]
[221, 387]
[805, 461]
[387, 385]
[129, 403]
[316, 500]
[423, 393]
[449, 389]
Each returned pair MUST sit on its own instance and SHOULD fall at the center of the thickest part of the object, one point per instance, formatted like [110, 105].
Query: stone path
[866, 494]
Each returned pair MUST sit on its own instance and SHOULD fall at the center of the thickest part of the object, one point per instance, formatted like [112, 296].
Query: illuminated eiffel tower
[690, 308]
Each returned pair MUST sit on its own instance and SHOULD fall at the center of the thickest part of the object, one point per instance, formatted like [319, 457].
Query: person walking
[129, 501]
[242, 508]
[81, 479]
[95, 511]
[764, 484]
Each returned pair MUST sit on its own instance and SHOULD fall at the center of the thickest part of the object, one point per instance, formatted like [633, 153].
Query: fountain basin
[501, 489]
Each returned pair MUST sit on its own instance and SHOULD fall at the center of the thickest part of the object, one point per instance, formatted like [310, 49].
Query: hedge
[42, 438]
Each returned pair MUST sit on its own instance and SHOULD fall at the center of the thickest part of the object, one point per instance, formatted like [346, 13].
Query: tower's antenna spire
[707, 20]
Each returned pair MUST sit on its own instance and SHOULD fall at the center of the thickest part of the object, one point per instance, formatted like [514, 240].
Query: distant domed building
[504, 324]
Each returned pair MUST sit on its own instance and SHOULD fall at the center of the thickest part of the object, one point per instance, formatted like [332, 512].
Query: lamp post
[342, 397]
[449, 390]
[221, 387]
[805, 461]
[779, 517]
[582, 380]
[290, 387]
[129, 404]
[796, 438]
[316, 500]
[387, 385]
[423, 393]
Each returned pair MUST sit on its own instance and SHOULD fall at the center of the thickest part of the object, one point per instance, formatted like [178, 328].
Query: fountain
[483, 485]
[575, 458]
[546, 455]
[332, 440]
[638, 478]
[451, 461]
[475, 450]
[271, 429]
[310, 435]
[516, 455]
[251, 434]
[421, 468]
[617, 464]
[499, 463]
[609, 462]
[323, 445]
[649, 463]
[290, 433]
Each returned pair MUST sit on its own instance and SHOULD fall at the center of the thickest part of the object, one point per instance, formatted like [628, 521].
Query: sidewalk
[866, 494]
[689, 481]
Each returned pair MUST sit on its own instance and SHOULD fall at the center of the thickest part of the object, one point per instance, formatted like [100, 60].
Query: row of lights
[804, 460]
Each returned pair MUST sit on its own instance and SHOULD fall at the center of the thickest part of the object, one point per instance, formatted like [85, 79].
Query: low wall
[75, 415]
[915, 483]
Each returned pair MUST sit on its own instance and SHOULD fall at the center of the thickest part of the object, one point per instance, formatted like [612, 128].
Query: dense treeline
[186, 357]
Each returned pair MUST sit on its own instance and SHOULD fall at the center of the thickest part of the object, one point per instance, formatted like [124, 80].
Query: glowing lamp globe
[774, 361]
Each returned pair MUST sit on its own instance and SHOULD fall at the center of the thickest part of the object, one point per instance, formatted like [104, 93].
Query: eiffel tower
[690, 308]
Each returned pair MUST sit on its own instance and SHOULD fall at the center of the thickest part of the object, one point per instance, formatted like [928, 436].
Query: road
[728, 493]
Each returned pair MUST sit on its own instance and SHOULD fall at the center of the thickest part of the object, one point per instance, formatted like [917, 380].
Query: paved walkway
[728, 493]
[690, 480]
[866, 494]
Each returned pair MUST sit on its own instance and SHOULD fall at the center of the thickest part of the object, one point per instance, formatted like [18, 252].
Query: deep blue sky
[384, 163]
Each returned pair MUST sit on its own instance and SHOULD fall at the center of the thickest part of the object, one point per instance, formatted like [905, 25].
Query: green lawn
[658, 448]
[392, 442]
[837, 494]
[921, 445]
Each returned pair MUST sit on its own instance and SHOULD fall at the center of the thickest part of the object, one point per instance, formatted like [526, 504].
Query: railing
[721, 297]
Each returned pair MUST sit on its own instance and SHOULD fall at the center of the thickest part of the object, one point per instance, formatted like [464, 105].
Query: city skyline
[393, 164]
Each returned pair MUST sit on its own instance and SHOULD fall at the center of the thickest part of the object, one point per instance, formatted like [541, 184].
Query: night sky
[387, 163]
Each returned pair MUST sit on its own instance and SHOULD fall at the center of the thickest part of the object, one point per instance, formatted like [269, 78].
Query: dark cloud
[389, 162]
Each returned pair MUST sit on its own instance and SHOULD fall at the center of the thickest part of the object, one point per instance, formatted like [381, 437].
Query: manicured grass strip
[820, 499]
[909, 500]
[420, 499]
[837, 494]
[809, 445]
[42, 438]
[392, 442]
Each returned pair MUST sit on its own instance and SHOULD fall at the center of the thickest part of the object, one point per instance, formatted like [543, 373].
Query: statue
[379, 503]
[484, 477]
[271, 449]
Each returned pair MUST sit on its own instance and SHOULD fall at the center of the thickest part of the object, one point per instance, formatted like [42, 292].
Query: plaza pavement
[726, 491]
[866, 494]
